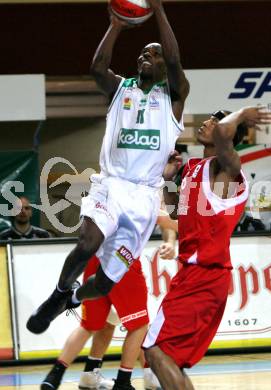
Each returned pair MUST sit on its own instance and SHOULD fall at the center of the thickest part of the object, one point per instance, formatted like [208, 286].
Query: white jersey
[141, 132]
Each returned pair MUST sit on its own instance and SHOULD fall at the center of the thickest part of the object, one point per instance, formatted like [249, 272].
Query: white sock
[94, 358]
[75, 300]
[147, 370]
[59, 289]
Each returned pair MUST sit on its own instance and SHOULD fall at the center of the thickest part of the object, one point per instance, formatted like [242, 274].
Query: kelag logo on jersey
[139, 139]
[252, 84]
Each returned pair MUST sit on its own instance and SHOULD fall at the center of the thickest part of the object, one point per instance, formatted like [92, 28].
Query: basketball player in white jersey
[143, 123]
[212, 197]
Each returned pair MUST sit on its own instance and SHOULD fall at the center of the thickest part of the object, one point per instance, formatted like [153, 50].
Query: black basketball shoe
[123, 386]
[54, 377]
[57, 302]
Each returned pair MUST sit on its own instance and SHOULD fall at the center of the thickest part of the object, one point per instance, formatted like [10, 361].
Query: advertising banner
[227, 88]
[6, 342]
[246, 322]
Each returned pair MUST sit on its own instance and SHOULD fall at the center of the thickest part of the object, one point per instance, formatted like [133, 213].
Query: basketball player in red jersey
[211, 200]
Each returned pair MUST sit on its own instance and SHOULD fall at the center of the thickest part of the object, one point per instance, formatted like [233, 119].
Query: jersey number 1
[140, 116]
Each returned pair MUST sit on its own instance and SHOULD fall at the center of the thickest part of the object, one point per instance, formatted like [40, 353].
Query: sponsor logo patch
[139, 139]
[157, 90]
[125, 255]
[99, 205]
[127, 103]
[142, 103]
[134, 316]
[154, 102]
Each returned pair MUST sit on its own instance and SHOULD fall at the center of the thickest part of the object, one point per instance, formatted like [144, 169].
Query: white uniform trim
[193, 259]
[218, 204]
[180, 124]
[116, 94]
[154, 329]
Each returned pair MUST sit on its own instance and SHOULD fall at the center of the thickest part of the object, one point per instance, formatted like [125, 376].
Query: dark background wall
[60, 39]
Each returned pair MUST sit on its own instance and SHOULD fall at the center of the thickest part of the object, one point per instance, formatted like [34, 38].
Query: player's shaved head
[156, 46]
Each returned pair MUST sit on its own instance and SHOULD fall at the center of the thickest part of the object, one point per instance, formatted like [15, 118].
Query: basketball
[132, 11]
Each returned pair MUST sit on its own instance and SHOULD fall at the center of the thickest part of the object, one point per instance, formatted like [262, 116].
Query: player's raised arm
[179, 86]
[106, 79]
[226, 135]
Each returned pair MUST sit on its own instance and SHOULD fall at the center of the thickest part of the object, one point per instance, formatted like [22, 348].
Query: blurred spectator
[248, 224]
[21, 226]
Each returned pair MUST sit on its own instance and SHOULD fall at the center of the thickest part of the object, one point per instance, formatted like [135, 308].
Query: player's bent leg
[101, 341]
[57, 303]
[72, 347]
[92, 377]
[149, 378]
[90, 239]
[187, 380]
[132, 345]
[130, 352]
[96, 286]
[60, 300]
[74, 344]
[169, 374]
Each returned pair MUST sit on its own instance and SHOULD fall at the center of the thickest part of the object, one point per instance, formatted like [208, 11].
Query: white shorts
[126, 214]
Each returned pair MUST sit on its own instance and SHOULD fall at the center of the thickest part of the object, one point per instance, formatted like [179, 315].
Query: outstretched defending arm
[106, 79]
[178, 84]
[225, 131]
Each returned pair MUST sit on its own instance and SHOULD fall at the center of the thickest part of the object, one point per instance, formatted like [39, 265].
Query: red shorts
[129, 297]
[190, 314]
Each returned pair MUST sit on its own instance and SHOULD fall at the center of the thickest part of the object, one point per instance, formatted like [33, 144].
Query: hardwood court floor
[226, 372]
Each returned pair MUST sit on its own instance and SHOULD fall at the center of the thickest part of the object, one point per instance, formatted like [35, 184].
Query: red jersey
[206, 221]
